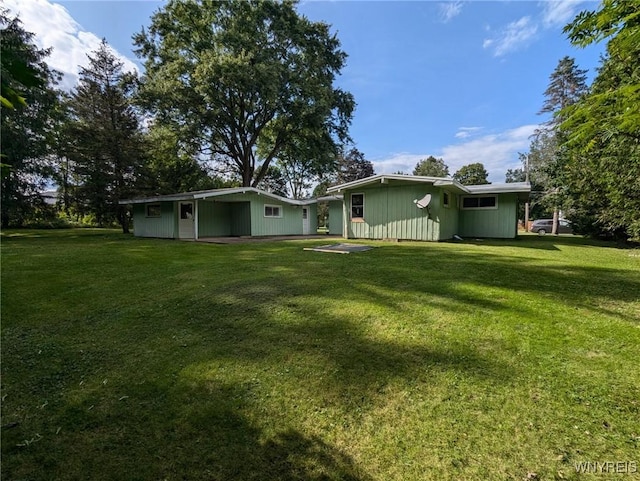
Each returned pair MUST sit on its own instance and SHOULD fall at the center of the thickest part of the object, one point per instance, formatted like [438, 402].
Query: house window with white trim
[357, 207]
[480, 202]
[153, 210]
[272, 211]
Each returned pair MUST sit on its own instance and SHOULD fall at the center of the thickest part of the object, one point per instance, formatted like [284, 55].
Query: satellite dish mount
[423, 203]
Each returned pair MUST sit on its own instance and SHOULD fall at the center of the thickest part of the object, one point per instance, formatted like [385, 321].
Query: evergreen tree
[29, 102]
[107, 147]
[567, 85]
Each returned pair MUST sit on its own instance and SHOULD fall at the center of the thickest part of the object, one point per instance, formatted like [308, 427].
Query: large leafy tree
[472, 174]
[29, 101]
[107, 147]
[173, 165]
[431, 167]
[602, 130]
[352, 165]
[245, 80]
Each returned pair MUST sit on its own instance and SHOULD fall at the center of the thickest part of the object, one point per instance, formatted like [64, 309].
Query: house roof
[521, 188]
[207, 194]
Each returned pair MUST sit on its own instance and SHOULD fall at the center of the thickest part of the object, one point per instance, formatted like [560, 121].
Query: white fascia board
[158, 198]
[452, 184]
[244, 190]
[385, 178]
[329, 198]
[502, 188]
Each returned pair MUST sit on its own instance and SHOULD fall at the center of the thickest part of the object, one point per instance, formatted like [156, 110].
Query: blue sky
[458, 80]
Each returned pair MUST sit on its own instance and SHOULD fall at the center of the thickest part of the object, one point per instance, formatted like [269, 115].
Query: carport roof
[206, 194]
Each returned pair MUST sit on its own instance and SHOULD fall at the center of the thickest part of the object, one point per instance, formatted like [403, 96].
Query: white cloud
[559, 12]
[466, 132]
[497, 152]
[399, 162]
[519, 34]
[53, 26]
[513, 37]
[449, 10]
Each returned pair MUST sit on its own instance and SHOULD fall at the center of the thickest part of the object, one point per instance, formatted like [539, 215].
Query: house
[334, 203]
[240, 211]
[392, 206]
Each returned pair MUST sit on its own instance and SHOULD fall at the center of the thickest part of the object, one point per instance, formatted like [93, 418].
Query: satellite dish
[424, 202]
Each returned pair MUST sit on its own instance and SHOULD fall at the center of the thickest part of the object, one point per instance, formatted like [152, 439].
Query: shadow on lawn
[208, 426]
[210, 439]
[547, 242]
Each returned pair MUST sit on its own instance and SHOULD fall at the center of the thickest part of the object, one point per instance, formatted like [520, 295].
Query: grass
[127, 358]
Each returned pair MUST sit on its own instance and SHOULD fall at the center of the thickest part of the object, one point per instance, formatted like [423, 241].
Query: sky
[460, 80]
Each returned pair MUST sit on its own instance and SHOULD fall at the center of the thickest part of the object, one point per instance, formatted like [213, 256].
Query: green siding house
[391, 206]
[242, 211]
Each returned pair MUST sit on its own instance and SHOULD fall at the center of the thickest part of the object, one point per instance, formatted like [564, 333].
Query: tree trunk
[123, 219]
[526, 216]
[554, 228]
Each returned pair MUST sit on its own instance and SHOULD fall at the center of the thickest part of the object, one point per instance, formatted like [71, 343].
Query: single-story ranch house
[385, 206]
[427, 208]
[241, 211]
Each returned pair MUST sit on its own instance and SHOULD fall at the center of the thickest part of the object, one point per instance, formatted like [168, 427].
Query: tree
[29, 101]
[602, 130]
[274, 181]
[353, 166]
[431, 167]
[107, 147]
[173, 166]
[472, 174]
[515, 175]
[19, 74]
[300, 166]
[245, 80]
[567, 84]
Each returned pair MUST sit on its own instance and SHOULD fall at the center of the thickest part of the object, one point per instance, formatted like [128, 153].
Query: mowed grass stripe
[127, 358]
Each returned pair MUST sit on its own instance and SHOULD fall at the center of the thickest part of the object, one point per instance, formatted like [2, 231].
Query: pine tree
[29, 101]
[107, 147]
[567, 85]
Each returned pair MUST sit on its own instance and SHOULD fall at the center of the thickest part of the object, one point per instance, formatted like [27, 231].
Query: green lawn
[125, 358]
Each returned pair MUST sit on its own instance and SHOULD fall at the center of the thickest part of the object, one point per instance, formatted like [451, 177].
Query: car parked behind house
[544, 226]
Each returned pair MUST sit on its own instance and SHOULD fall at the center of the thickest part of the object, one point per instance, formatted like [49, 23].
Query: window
[272, 211]
[480, 202]
[186, 210]
[445, 198]
[357, 206]
[153, 210]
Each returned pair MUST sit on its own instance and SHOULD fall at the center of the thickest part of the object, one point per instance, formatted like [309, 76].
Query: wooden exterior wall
[335, 217]
[229, 215]
[165, 226]
[390, 213]
[501, 222]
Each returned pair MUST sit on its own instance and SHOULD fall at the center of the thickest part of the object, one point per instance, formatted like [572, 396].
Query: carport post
[196, 219]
